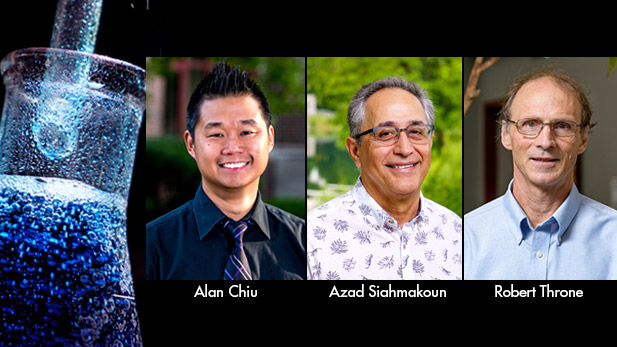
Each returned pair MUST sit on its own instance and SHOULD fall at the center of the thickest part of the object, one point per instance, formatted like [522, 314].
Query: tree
[472, 91]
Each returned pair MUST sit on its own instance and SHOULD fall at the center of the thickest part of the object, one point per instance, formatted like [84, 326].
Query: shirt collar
[563, 216]
[368, 206]
[207, 214]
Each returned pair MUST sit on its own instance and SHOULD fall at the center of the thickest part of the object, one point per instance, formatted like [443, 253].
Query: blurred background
[488, 166]
[173, 176]
[332, 82]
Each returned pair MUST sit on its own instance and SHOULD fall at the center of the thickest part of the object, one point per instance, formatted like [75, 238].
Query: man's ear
[270, 138]
[506, 141]
[584, 137]
[353, 149]
[190, 144]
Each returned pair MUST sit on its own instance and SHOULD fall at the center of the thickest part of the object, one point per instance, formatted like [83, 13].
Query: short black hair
[224, 81]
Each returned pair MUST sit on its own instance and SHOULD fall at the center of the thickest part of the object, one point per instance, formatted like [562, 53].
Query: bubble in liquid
[56, 124]
[54, 140]
[61, 285]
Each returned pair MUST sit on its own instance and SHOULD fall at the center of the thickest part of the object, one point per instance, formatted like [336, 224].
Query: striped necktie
[237, 267]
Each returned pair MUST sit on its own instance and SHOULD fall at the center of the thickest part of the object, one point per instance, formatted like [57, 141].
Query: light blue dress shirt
[578, 242]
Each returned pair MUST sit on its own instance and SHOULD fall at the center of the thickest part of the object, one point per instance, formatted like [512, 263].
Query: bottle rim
[11, 57]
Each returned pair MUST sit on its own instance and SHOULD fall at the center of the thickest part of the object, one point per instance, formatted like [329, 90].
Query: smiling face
[395, 171]
[232, 143]
[545, 161]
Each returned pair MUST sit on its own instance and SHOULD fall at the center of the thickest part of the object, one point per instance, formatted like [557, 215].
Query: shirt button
[539, 254]
[404, 246]
[390, 221]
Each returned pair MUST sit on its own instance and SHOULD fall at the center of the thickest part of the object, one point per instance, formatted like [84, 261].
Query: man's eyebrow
[392, 123]
[248, 122]
[213, 125]
[386, 123]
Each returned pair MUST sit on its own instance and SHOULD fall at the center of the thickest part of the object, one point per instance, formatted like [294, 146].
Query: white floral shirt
[352, 237]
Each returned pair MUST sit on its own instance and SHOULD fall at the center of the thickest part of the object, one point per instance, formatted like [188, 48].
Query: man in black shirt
[230, 137]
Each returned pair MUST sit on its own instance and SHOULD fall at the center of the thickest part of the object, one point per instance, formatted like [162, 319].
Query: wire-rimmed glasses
[532, 127]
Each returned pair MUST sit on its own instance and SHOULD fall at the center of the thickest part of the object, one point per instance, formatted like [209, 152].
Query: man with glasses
[542, 228]
[384, 228]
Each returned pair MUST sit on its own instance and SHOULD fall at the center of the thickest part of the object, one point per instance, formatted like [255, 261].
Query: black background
[168, 309]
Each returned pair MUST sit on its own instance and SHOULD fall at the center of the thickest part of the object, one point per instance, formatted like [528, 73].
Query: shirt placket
[540, 247]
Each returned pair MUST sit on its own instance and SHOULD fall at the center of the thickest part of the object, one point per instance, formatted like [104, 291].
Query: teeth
[233, 165]
[402, 166]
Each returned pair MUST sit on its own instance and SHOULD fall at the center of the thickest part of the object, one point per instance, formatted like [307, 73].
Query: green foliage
[334, 80]
[172, 177]
[334, 165]
[281, 78]
[296, 207]
[443, 184]
[321, 127]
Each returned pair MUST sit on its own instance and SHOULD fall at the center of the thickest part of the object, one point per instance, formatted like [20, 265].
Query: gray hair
[356, 110]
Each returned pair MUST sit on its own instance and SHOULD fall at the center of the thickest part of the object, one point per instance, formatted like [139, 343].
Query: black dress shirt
[189, 243]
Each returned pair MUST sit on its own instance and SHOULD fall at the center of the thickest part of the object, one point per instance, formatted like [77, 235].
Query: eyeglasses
[417, 133]
[532, 127]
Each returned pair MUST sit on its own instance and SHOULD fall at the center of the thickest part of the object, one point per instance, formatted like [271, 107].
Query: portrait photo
[540, 177]
[384, 168]
[225, 160]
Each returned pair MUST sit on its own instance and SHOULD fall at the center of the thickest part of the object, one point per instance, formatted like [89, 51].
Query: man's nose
[403, 145]
[546, 137]
[232, 145]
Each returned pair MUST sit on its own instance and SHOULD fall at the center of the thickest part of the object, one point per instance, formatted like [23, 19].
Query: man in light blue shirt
[542, 228]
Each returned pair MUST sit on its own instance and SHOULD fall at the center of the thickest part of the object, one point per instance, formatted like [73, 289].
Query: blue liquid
[65, 277]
